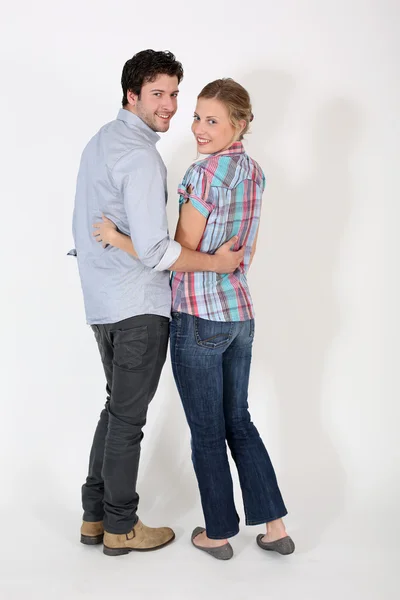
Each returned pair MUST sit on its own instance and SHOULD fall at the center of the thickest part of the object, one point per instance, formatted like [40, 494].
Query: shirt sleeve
[139, 178]
[196, 189]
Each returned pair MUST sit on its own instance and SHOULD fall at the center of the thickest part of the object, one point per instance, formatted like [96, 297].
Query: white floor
[44, 559]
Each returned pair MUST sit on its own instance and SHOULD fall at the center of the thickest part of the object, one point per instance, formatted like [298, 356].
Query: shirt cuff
[171, 255]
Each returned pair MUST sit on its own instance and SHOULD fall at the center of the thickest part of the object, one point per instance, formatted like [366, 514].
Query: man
[127, 299]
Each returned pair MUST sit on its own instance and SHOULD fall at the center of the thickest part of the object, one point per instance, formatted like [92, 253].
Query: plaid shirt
[226, 188]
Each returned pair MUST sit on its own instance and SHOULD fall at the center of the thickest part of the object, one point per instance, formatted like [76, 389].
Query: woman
[212, 327]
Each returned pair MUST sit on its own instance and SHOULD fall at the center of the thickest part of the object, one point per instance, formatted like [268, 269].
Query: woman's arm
[106, 232]
[189, 261]
[254, 246]
[190, 227]
[189, 231]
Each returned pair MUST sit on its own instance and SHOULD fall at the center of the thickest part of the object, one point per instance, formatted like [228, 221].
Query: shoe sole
[120, 551]
[92, 540]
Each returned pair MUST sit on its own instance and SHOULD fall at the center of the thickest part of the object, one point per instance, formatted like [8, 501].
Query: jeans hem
[266, 519]
[92, 519]
[223, 536]
[120, 530]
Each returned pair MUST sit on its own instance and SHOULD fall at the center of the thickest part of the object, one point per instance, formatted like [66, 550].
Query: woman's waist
[206, 283]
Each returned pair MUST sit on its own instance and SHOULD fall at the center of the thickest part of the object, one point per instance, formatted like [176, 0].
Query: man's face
[158, 102]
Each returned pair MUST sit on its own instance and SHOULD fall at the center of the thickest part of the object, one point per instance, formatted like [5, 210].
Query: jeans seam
[155, 362]
[175, 352]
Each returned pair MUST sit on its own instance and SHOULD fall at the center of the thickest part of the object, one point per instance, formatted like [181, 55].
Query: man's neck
[131, 109]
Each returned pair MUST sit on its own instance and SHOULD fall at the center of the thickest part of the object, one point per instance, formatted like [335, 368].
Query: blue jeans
[211, 364]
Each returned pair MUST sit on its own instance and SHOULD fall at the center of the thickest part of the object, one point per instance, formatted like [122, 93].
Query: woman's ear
[242, 125]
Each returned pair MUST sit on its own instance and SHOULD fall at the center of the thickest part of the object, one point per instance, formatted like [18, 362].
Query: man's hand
[228, 261]
[105, 231]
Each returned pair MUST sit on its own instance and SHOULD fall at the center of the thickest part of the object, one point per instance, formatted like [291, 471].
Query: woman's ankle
[276, 527]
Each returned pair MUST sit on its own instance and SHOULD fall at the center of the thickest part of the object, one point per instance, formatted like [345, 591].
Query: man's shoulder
[116, 134]
[136, 156]
[119, 148]
[122, 145]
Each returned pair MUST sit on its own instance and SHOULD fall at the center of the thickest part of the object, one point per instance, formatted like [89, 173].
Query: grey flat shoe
[224, 552]
[283, 546]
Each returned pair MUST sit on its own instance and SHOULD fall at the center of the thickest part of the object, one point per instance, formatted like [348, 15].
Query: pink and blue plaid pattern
[227, 189]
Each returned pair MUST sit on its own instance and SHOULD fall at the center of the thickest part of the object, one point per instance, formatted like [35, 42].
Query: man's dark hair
[146, 66]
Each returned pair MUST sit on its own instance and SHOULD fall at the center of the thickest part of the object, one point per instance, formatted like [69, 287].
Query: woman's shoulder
[197, 170]
[225, 170]
[254, 170]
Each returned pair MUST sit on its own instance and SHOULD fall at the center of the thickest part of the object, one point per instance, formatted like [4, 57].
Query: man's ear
[132, 98]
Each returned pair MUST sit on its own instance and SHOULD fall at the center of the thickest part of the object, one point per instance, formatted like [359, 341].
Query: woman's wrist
[113, 235]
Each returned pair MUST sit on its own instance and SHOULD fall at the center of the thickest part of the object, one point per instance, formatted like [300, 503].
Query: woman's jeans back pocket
[212, 334]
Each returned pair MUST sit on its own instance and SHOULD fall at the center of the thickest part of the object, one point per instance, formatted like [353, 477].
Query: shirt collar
[235, 148]
[136, 122]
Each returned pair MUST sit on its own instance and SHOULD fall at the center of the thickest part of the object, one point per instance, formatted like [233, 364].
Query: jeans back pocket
[130, 345]
[212, 334]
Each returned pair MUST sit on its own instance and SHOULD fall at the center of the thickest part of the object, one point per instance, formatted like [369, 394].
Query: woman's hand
[104, 232]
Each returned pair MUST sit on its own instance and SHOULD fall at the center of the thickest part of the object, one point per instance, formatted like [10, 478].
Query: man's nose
[169, 104]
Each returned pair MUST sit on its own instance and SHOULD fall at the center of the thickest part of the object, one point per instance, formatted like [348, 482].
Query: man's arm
[138, 175]
[223, 261]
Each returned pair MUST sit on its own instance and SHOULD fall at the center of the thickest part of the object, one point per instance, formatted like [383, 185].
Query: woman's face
[211, 126]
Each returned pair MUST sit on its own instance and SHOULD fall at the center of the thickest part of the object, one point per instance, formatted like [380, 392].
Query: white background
[324, 79]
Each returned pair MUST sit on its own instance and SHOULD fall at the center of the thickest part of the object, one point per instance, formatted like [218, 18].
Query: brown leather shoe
[92, 533]
[140, 538]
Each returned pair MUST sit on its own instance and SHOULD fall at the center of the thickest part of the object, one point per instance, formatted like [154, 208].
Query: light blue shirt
[122, 175]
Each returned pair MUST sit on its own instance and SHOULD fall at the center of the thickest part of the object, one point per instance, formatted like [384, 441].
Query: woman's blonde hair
[234, 97]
